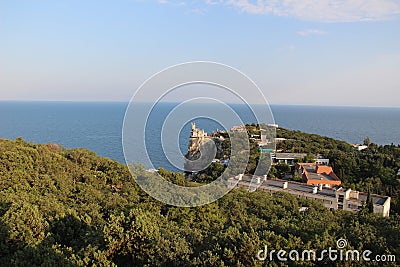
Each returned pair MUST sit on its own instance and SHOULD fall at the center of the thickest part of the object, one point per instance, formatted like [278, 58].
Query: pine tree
[370, 203]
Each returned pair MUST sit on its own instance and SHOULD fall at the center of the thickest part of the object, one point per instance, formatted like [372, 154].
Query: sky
[307, 52]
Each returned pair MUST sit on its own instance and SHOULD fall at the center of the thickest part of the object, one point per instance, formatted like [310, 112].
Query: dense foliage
[62, 207]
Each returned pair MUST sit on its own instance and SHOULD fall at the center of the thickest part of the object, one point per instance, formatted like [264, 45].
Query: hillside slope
[61, 207]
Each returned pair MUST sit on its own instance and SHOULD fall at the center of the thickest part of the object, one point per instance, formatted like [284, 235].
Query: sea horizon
[170, 102]
[98, 125]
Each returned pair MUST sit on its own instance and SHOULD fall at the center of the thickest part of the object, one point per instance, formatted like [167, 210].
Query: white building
[332, 198]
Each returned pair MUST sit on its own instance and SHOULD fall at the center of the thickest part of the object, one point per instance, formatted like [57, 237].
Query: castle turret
[196, 137]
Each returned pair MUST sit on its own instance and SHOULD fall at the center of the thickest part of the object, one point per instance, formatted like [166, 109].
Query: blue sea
[98, 125]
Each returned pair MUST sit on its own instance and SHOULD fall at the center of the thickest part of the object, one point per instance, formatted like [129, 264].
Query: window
[352, 206]
[340, 206]
[341, 198]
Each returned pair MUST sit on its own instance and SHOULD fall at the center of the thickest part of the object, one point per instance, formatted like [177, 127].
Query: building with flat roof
[332, 198]
[287, 158]
[292, 158]
[320, 159]
[360, 147]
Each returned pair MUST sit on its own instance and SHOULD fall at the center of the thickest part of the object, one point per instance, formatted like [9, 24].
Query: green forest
[71, 207]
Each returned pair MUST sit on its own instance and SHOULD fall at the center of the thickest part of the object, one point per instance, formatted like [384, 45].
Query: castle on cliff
[196, 138]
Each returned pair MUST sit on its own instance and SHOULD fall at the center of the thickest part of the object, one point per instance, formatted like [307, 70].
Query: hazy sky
[299, 52]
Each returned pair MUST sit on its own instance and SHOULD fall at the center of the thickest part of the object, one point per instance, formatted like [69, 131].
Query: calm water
[97, 126]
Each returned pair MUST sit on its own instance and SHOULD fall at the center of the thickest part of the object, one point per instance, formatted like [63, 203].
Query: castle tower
[196, 138]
